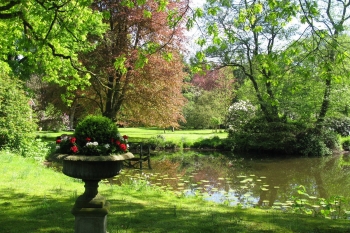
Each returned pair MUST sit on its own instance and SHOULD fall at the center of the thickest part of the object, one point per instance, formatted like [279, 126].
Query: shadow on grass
[160, 216]
[22, 213]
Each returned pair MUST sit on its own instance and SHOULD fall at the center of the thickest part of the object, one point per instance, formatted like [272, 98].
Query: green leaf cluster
[17, 124]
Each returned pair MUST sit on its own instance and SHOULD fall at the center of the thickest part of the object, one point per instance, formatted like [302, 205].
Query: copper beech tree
[137, 67]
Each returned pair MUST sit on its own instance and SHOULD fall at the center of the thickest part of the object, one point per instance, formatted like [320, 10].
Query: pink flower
[72, 140]
[123, 147]
[74, 149]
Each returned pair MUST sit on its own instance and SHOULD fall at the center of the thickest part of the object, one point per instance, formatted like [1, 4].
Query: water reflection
[235, 180]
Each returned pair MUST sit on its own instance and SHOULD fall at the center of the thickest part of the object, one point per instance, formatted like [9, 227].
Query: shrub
[213, 142]
[346, 144]
[17, 126]
[261, 136]
[159, 142]
[317, 142]
[338, 125]
[240, 113]
[97, 128]
[35, 149]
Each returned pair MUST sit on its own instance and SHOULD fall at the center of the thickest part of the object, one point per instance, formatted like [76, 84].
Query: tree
[328, 20]
[247, 35]
[43, 37]
[209, 98]
[137, 67]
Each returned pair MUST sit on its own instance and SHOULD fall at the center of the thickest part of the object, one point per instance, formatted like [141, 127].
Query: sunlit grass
[139, 134]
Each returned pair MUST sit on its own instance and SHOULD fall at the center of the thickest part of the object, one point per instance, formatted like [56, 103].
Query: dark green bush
[346, 145]
[338, 125]
[283, 138]
[97, 128]
[17, 125]
[270, 137]
[213, 142]
[317, 142]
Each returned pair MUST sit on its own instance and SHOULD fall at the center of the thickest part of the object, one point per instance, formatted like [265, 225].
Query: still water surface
[235, 180]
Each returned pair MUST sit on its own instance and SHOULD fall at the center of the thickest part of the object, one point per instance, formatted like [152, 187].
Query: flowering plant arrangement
[95, 135]
[69, 145]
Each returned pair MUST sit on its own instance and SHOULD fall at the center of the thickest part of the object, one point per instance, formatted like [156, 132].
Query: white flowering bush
[240, 113]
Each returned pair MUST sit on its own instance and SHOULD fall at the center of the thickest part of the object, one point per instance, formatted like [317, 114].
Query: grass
[37, 199]
[139, 134]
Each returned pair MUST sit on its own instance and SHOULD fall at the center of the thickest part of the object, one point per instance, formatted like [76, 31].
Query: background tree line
[274, 72]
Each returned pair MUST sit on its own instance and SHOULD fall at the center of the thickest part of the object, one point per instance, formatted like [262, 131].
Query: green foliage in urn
[94, 135]
[97, 128]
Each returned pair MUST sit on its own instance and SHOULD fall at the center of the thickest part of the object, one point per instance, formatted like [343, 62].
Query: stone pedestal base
[91, 220]
[90, 210]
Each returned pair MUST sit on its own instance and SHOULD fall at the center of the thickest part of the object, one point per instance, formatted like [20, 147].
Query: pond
[249, 182]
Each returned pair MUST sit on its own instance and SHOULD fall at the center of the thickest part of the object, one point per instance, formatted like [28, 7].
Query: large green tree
[44, 37]
[290, 51]
[328, 21]
[250, 36]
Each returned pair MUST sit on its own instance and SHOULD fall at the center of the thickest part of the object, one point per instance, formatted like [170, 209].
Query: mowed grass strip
[140, 134]
[35, 199]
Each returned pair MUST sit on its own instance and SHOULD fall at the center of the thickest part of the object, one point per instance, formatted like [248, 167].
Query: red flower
[74, 149]
[72, 140]
[123, 147]
[117, 142]
[58, 141]
[125, 137]
[88, 139]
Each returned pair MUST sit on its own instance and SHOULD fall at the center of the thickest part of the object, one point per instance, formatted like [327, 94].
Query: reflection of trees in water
[322, 177]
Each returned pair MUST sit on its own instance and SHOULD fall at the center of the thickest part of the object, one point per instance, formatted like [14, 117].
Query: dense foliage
[261, 136]
[97, 128]
[283, 138]
[340, 125]
[137, 64]
[17, 124]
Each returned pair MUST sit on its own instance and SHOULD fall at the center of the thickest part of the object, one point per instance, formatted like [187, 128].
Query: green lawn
[190, 135]
[137, 134]
[35, 199]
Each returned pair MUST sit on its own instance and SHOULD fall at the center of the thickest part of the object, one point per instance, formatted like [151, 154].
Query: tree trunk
[72, 114]
[109, 110]
[325, 102]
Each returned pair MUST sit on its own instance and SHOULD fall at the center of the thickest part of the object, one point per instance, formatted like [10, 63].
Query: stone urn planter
[91, 209]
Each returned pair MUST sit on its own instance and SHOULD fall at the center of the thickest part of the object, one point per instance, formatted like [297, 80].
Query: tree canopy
[137, 63]
[44, 37]
[271, 43]
[109, 45]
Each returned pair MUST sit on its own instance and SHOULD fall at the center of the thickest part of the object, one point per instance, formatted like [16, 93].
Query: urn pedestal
[91, 209]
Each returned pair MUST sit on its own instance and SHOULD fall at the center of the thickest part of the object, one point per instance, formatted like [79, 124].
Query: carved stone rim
[102, 158]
